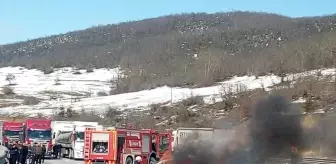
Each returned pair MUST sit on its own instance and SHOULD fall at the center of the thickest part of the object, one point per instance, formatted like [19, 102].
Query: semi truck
[39, 131]
[12, 131]
[124, 145]
[70, 136]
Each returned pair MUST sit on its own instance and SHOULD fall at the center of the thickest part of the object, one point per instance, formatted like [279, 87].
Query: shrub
[308, 106]
[10, 77]
[30, 101]
[7, 91]
[112, 115]
[154, 107]
[77, 73]
[48, 70]
[89, 68]
[184, 115]
[57, 81]
[111, 112]
[101, 93]
[193, 100]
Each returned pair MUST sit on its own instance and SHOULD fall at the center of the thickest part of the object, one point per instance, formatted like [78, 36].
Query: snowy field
[36, 83]
[86, 85]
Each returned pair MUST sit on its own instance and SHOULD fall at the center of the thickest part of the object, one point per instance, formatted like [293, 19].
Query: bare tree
[10, 77]
[57, 81]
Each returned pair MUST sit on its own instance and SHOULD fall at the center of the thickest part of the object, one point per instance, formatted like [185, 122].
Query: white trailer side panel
[185, 133]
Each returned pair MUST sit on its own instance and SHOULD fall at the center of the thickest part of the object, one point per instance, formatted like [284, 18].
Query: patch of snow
[300, 100]
[35, 82]
[319, 111]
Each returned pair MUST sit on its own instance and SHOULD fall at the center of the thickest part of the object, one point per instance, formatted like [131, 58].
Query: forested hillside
[195, 49]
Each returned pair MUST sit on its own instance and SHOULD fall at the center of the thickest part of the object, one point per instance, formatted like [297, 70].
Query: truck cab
[161, 143]
[122, 145]
[39, 131]
[12, 131]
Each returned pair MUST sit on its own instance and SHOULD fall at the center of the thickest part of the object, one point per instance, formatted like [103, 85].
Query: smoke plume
[271, 132]
[273, 129]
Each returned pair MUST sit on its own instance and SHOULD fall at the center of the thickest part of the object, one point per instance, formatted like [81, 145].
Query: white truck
[70, 136]
[181, 134]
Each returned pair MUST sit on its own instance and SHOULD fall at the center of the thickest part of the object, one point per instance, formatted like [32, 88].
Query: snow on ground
[33, 82]
[300, 100]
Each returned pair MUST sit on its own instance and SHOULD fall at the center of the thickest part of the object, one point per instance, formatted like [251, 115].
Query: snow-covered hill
[86, 86]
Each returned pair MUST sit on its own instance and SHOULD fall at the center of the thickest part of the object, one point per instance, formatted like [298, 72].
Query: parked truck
[39, 131]
[12, 131]
[70, 136]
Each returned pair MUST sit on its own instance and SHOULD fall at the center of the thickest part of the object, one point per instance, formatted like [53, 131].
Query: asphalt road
[273, 161]
[62, 161]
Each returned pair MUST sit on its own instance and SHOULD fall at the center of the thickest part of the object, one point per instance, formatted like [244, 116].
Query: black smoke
[272, 131]
[195, 153]
[275, 127]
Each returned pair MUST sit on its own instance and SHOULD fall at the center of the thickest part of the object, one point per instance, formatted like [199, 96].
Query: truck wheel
[129, 160]
[152, 160]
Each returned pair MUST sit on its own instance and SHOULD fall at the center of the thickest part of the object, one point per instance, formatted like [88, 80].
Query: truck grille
[45, 143]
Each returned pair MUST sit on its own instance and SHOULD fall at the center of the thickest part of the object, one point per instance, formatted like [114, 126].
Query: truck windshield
[10, 133]
[80, 135]
[39, 134]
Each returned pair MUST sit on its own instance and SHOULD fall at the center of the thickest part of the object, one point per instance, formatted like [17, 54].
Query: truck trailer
[182, 135]
[70, 136]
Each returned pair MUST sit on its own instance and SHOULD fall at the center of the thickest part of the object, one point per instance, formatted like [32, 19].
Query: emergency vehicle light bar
[110, 128]
[90, 128]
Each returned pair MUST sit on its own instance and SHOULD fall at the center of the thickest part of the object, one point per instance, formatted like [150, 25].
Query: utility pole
[171, 96]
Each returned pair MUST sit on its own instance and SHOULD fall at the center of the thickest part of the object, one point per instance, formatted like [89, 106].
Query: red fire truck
[122, 145]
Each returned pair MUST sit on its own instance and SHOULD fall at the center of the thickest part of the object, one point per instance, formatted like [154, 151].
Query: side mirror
[54, 135]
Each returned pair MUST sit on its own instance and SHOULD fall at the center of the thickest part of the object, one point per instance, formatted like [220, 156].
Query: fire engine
[123, 145]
